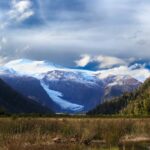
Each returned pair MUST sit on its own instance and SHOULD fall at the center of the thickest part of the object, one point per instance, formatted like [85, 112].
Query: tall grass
[38, 133]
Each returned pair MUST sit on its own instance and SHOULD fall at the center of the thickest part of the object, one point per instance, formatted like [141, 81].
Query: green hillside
[140, 105]
[134, 103]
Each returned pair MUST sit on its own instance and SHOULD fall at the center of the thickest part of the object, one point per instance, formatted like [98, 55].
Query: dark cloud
[62, 30]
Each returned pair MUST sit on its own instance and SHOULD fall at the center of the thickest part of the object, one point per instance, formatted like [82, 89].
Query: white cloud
[103, 27]
[108, 61]
[3, 60]
[104, 61]
[3, 42]
[142, 15]
[36, 68]
[25, 15]
[22, 5]
[85, 59]
[140, 74]
[29, 67]
[21, 10]
[115, 66]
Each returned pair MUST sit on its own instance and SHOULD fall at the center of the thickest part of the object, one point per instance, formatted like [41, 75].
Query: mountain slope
[64, 90]
[134, 103]
[13, 102]
[116, 85]
[30, 87]
[76, 89]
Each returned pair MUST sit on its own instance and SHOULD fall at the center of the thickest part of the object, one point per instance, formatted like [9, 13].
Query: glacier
[64, 104]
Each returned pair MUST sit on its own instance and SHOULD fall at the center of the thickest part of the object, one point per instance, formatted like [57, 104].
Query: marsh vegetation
[71, 133]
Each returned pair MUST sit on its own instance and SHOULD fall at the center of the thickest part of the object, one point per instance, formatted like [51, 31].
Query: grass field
[69, 133]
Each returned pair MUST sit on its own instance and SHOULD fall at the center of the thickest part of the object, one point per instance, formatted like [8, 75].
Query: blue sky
[76, 32]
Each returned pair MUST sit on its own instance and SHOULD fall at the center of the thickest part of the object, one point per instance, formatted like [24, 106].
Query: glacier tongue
[64, 104]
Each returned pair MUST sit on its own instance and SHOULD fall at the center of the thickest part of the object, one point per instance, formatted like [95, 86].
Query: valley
[64, 90]
[55, 108]
[74, 75]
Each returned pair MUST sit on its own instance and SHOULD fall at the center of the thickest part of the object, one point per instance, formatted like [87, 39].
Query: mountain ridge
[64, 89]
[134, 103]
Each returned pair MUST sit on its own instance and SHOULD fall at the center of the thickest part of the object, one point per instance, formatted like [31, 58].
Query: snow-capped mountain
[116, 85]
[113, 80]
[77, 87]
[63, 89]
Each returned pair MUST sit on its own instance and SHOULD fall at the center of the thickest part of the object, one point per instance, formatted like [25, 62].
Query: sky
[91, 34]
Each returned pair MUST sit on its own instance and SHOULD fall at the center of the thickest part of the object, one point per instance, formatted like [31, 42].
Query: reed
[39, 133]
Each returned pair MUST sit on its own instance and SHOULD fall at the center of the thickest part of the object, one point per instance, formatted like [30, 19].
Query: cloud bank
[108, 65]
[37, 68]
[140, 74]
[103, 61]
[110, 32]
